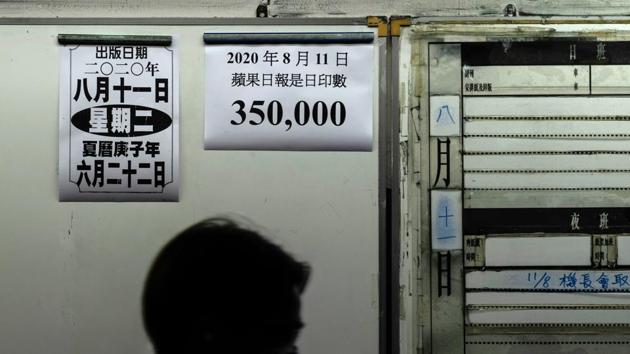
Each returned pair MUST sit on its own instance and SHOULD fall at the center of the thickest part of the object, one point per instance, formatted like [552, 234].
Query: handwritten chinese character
[603, 281]
[445, 113]
[568, 280]
[586, 281]
[621, 280]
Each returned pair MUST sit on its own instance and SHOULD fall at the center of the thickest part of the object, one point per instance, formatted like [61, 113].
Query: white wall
[71, 274]
[292, 8]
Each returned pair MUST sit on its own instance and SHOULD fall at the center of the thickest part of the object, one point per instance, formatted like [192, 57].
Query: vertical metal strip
[394, 208]
[384, 196]
[393, 182]
[409, 334]
[423, 198]
[289, 38]
[390, 327]
[389, 342]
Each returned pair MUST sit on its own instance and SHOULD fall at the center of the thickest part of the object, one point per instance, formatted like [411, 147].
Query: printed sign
[118, 123]
[289, 97]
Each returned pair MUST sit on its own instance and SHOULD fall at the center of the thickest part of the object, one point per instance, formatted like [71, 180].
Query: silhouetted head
[217, 288]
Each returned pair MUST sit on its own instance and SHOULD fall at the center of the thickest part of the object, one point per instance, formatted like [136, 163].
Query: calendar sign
[119, 118]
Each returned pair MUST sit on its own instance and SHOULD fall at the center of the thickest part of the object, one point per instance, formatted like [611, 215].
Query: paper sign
[445, 117]
[289, 97]
[446, 220]
[551, 279]
[118, 123]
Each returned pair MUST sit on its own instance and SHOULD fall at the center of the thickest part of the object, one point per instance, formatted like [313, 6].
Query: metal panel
[547, 128]
[446, 264]
[290, 8]
[445, 69]
[548, 343]
[592, 106]
[569, 315]
[547, 180]
[524, 80]
[604, 198]
[91, 39]
[549, 280]
[519, 145]
[610, 79]
[560, 298]
[574, 147]
[623, 250]
[532, 162]
[538, 251]
[288, 38]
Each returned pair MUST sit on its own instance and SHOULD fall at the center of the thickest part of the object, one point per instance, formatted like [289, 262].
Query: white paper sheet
[445, 118]
[118, 123]
[289, 97]
[446, 220]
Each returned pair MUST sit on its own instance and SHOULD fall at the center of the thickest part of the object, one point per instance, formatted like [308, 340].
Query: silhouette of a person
[217, 288]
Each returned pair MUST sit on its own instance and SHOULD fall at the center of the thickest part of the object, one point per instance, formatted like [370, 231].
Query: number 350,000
[303, 112]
